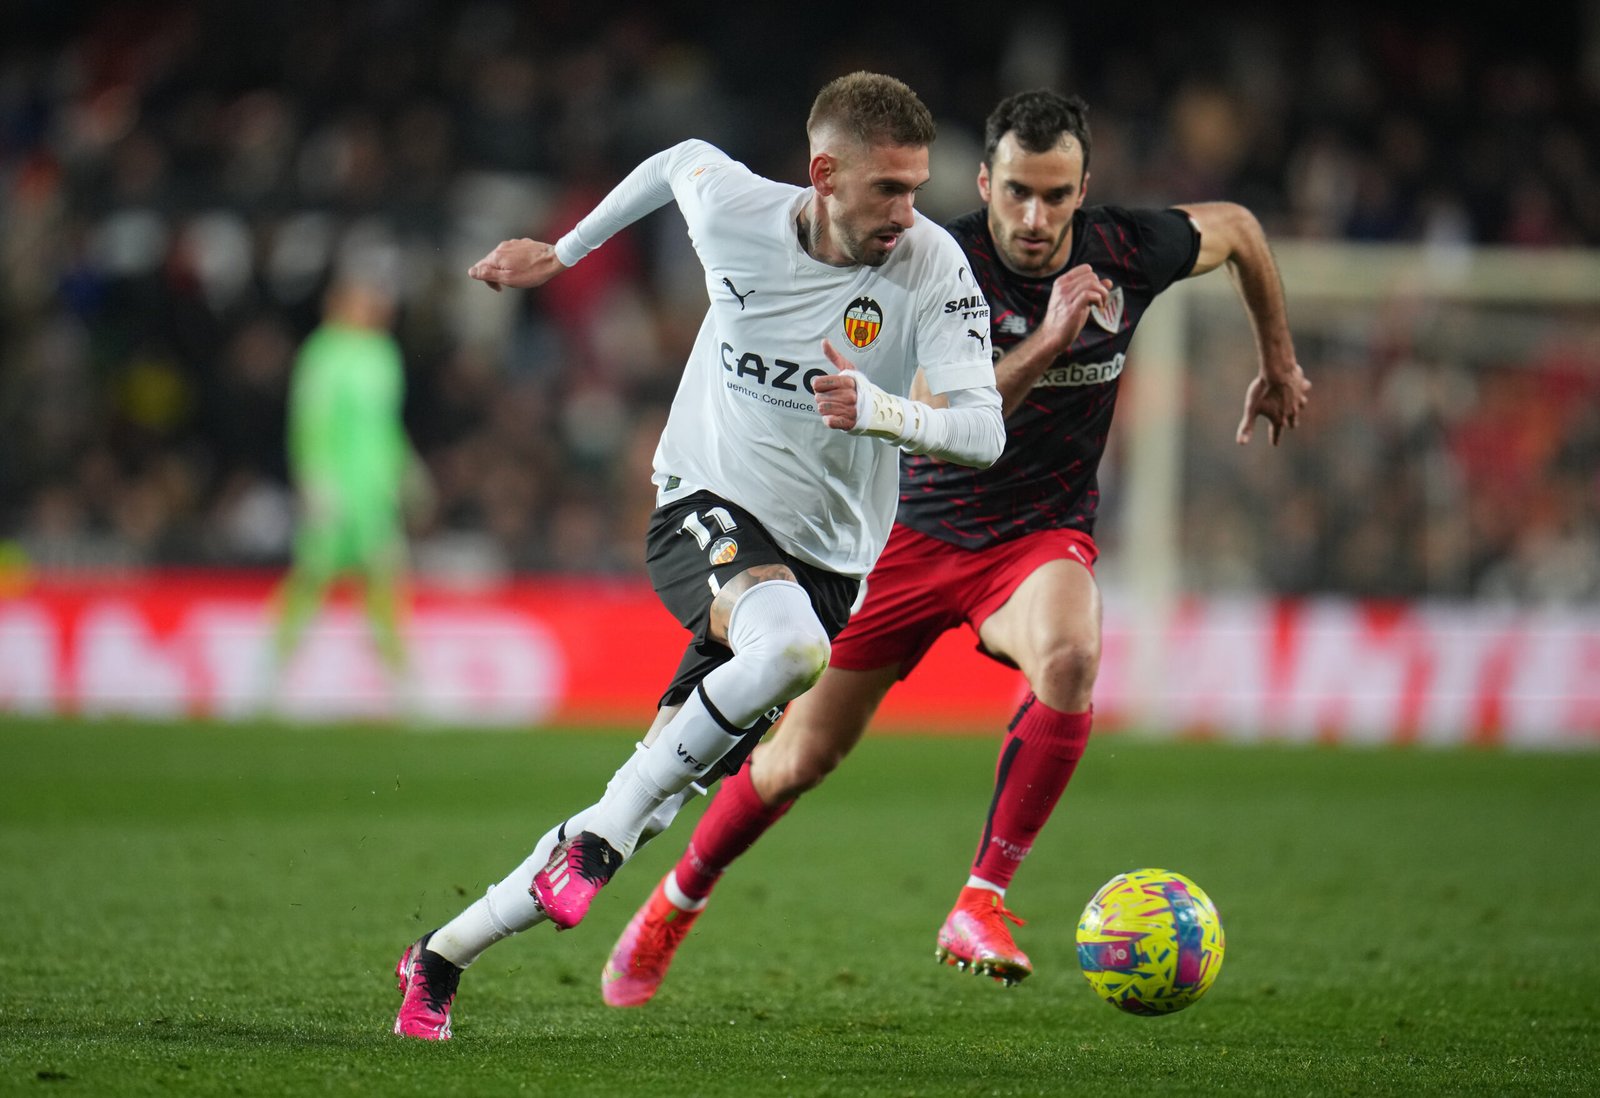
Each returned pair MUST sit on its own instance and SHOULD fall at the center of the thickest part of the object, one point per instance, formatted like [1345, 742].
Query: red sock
[733, 821]
[1040, 752]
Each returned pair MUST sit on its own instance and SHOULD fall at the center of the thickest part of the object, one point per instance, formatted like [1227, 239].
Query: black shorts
[702, 537]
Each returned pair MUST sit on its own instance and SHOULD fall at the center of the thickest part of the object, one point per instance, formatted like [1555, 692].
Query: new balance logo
[728, 282]
[1012, 324]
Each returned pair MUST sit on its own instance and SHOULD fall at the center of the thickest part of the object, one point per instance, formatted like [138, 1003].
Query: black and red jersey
[1046, 477]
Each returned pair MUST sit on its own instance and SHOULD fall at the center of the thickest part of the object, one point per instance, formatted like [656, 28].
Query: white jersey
[744, 424]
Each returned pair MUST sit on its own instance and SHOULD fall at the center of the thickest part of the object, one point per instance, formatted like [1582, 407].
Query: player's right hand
[1071, 297]
[837, 396]
[522, 264]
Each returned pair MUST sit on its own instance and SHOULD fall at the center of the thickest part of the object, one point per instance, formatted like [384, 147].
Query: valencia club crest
[863, 320]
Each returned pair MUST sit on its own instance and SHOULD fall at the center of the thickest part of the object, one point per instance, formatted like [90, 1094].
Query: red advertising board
[593, 651]
[578, 650]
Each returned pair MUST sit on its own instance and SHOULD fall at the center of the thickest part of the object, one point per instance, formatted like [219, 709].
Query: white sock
[680, 899]
[979, 882]
[505, 909]
[663, 816]
[779, 649]
[690, 743]
[463, 939]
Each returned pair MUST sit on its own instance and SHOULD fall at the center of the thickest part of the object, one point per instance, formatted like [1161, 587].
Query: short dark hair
[874, 109]
[1038, 118]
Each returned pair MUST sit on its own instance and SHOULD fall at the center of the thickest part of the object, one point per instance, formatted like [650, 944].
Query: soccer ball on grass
[1150, 942]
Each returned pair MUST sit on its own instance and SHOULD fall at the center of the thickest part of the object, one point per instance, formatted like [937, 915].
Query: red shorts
[922, 586]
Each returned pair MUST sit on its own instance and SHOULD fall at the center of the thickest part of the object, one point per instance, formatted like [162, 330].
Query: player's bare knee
[819, 763]
[799, 770]
[1066, 672]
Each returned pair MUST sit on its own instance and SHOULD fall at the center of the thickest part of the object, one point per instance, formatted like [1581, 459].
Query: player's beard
[866, 249]
[1019, 260]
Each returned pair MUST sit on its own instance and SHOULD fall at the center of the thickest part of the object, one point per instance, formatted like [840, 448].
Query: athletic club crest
[1109, 315]
[863, 320]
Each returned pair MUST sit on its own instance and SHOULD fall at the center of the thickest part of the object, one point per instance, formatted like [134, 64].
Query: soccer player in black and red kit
[1007, 551]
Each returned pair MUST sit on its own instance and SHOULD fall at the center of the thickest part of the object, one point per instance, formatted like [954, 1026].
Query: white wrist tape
[881, 414]
[972, 431]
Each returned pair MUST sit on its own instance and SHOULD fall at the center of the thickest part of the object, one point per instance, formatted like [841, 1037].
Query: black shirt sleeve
[1169, 244]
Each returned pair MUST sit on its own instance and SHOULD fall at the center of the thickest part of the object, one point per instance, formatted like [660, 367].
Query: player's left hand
[522, 264]
[835, 394]
[1280, 400]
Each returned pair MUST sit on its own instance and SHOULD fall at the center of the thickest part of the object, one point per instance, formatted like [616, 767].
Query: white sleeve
[971, 431]
[953, 348]
[645, 189]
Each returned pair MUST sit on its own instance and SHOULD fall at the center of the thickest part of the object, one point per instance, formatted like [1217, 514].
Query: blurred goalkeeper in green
[355, 473]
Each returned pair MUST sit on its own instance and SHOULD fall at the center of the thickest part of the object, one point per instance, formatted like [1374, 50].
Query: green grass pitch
[211, 909]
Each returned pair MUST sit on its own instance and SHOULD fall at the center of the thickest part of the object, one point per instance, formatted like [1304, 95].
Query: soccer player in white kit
[777, 473]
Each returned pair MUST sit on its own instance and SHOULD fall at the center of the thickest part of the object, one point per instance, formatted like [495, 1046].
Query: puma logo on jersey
[979, 336]
[728, 282]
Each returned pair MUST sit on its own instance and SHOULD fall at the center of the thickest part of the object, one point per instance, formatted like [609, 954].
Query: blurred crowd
[1453, 450]
[181, 180]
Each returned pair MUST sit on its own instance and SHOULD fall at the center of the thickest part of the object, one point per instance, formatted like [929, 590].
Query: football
[1150, 942]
